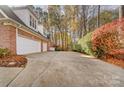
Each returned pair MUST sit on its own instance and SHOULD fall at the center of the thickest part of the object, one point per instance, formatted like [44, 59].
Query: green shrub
[58, 48]
[76, 47]
[99, 52]
[86, 44]
[4, 52]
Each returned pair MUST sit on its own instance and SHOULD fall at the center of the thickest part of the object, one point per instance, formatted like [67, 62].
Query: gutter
[23, 28]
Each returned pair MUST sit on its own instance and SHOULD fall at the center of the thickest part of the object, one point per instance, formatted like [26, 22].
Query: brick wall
[27, 35]
[8, 38]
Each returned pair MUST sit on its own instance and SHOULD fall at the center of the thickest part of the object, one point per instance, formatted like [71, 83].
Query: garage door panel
[25, 45]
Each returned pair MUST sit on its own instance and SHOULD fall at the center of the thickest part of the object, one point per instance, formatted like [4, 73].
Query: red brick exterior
[8, 38]
[27, 35]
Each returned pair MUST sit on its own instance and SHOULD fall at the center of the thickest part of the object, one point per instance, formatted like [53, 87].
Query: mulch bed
[13, 61]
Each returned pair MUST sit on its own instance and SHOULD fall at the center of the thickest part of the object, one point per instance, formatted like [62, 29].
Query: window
[30, 20]
[35, 24]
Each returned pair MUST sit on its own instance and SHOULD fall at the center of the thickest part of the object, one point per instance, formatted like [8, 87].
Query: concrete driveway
[62, 69]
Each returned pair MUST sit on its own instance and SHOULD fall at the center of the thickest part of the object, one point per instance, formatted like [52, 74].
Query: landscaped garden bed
[9, 60]
[106, 43]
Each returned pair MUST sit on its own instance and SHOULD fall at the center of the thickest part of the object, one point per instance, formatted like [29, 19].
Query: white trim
[3, 14]
[24, 28]
[17, 36]
[28, 37]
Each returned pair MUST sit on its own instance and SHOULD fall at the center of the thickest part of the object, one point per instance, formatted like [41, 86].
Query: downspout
[17, 37]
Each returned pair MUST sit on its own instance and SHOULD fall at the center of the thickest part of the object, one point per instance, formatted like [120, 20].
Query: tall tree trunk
[121, 33]
[55, 37]
[98, 16]
[66, 43]
[80, 30]
[121, 11]
[84, 20]
[62, 40]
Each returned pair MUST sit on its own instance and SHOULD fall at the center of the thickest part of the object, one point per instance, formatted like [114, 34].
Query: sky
[44, 7]
[103, 7]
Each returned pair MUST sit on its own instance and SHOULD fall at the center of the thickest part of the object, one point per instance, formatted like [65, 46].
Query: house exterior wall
[27, 35]
[8, 38]
[44, 46]
[24, 15]
[21, 42]
[40, 29]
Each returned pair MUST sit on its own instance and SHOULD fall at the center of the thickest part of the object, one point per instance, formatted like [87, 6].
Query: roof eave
[24, 28]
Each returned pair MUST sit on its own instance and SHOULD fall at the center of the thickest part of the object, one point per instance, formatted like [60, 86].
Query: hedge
[86, 44]
[104, 39]
[4, 52]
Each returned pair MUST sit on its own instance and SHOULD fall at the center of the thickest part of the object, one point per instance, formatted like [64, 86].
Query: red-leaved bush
[108, 42]
[107, 38]
[116, 52]
[114, 60]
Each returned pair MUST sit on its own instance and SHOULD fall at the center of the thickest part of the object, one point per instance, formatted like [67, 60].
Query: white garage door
[44, 46]
[25, 45]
